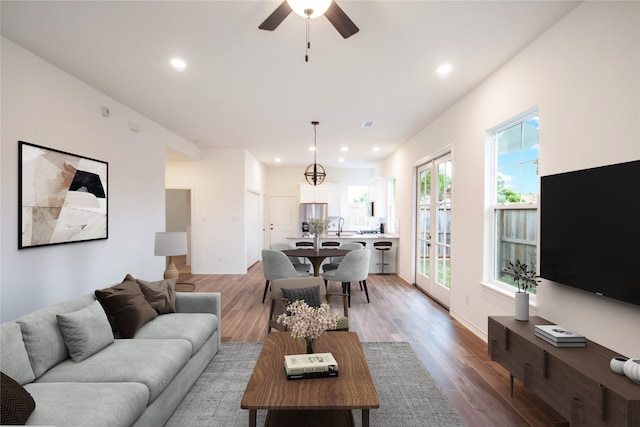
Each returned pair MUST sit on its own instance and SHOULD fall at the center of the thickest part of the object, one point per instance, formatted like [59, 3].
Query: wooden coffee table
[311, 402]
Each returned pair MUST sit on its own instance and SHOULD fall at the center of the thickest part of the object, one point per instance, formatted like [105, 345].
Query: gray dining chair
[276, 265]
[279, 302]
[335, 261]
[298, 264]
[353, 268]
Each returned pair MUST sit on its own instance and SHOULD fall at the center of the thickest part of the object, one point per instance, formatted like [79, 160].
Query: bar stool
[382, 247]
[304, 243]
[330, 244]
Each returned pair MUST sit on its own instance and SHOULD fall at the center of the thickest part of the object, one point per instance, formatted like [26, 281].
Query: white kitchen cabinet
[314, 194]
[378, 195]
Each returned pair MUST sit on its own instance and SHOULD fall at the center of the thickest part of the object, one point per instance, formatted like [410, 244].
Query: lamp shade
[171, 243]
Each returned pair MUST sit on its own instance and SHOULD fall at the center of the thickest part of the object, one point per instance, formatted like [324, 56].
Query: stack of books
[559, 336]
[316, 365]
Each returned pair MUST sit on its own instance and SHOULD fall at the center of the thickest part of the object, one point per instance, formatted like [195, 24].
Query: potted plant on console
[525, 279]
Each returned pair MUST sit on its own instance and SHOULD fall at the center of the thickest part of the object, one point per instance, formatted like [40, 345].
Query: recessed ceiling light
[312, 148]
[344, 149]
[376, 148]
[277, 159]
[341, 160]
[178, 64]
[444, 69]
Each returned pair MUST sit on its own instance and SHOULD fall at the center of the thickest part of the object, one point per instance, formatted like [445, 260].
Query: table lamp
[171, 243]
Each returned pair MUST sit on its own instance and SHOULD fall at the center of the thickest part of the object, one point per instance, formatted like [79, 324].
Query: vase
[617, 365]
[316, 242]
[309, 342]
[632, 370]
[522, 306]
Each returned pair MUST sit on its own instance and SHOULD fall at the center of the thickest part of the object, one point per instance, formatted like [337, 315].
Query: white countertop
[348, 236]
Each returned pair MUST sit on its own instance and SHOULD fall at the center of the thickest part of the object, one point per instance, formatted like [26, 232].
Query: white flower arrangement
[317, 226]
[308, 323]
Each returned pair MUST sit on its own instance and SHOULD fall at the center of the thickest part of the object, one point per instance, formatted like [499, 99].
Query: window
[357, 216]
[514, 195]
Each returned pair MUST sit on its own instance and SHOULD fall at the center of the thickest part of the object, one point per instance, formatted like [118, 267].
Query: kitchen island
[369, 238]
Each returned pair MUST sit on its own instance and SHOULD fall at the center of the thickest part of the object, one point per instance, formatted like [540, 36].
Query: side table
[185, 287]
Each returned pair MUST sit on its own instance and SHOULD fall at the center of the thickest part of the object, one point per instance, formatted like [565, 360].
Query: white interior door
[433, 228]
[283, 218]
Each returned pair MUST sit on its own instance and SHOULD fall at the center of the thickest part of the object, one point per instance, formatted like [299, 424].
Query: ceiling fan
[312, 9]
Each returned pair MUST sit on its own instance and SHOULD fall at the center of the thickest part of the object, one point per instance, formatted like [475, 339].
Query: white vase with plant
[525, 279]
[317, 227]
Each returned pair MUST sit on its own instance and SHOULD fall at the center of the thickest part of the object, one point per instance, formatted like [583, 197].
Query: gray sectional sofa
[138, 381]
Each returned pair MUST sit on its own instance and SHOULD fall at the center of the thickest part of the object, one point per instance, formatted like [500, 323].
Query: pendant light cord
[315, 145]
[306, 54]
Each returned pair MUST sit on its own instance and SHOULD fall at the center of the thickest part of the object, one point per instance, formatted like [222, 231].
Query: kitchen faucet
[340, 225]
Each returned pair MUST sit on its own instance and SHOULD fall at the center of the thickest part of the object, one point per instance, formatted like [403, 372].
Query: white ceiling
[250, 88]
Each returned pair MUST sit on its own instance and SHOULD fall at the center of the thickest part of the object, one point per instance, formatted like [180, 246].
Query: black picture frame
[62, 197]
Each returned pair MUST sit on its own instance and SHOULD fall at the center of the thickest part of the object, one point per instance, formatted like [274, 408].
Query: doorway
[252, 218]
[178, 218]
[433, 228]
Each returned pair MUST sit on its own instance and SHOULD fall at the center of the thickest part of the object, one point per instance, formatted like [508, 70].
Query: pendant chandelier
[315, 173]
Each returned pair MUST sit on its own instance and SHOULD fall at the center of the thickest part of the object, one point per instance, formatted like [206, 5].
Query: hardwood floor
[477, 387]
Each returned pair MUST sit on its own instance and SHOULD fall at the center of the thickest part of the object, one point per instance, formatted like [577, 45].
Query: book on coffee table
[316, 365]
[315, 362]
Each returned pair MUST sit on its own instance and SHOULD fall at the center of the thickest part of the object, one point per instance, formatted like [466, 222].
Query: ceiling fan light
[319, 7]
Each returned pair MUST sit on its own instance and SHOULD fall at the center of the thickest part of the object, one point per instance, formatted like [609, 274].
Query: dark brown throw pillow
[161, 295]
[310, 295]
[16, 404]
[126, 306]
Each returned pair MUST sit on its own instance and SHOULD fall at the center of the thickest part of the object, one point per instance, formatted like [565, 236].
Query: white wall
[584, 74]
[219, 180]
[46, 106]
[285, 181]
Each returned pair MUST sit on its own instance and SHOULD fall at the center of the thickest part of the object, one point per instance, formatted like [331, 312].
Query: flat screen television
[590, 230]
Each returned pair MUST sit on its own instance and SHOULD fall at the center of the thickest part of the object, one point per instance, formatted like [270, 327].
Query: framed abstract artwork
[62, 197]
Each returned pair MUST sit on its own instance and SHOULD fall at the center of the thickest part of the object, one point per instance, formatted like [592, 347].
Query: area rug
[408, 394]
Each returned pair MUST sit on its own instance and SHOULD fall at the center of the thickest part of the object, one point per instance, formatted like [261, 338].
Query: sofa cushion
[85, 331]
[42, 336]
[87, 404]
[161, 295]
[153, 363]
[16, 404]
[194, 327]
[14, 361]
[126, 306]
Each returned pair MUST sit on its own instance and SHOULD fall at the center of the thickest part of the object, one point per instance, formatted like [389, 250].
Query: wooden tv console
[577, 382]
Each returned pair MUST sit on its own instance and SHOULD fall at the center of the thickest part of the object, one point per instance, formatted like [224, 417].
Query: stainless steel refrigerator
[312, 210]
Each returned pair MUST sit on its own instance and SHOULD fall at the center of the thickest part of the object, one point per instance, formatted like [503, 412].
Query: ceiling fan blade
[276, 17]
[341, 21]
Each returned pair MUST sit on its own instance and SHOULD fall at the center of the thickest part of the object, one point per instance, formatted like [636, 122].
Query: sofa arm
[199, 302]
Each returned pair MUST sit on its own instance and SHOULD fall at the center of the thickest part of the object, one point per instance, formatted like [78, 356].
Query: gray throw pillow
[310, 295]
[85, 331]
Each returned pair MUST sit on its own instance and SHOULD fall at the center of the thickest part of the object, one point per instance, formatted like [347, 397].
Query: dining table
[316, 257]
